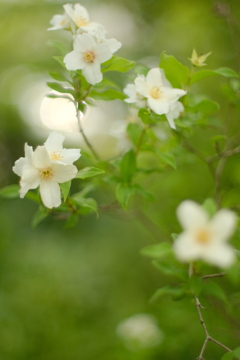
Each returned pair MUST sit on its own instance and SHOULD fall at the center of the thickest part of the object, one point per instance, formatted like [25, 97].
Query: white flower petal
[28, 153]
[50, 194]
[41, 158]
[70, 155]
[170, 120]
[172, 95]
[102, 52]
[74, 60]
[141, 86]
[92, 73]
[19, 165]
[30, 180]
[159, 106]
[224, 224]
[63, 173]
[185, 248]
[113, 45]
[130, 90]
[154, 77]
[221, 255]
[54, 142]
[191, 215]
[84, 42]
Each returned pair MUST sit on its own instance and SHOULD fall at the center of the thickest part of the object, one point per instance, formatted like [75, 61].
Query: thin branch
[213, 276]
[139, 144]
[83, 134]
[194, 151]
[223, 154]
[208, 337]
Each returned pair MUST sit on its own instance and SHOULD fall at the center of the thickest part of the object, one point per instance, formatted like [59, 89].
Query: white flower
[59, 22]
[79, 15]
[205, 238]
[99, 34]
[160, 97]
[133, 96]
[140, 331]
[87, 56]
[54, 146]
[37, 169]
[174, 112]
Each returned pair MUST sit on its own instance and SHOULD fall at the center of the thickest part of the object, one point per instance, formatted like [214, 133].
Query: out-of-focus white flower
[133, 96]
[174, 112]
[79, 15]
[140, 331]
[198, 60]
[87, 56]
[118, 131]
[54, 146]
[205, 238]
[160, 97]
[99, 34]
[59, 22]
[37, 169]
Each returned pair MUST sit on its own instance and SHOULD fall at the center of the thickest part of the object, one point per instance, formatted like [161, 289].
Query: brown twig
[213, 276]
[208, 337]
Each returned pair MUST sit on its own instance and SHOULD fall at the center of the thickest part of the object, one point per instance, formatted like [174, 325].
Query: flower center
[203, 236]
[155, 92]
[81, 22]
[89, 57]
[56, 155]
[46, 174]
[63, 22]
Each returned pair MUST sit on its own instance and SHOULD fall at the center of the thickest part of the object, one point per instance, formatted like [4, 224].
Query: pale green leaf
[89, 172]
[123, 193]
[175, 72]
[10, 192]
[117, 64]
[157, 251]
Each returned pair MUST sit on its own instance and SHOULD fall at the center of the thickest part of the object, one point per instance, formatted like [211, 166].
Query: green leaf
[174, 236]
[212, 288]
[203, 74]
[58, 45]
[117, 64]
[38, 217]
[65, 187]
[210, 206]
[58, 87]
[134, 132]
[145, 115]
[10, 192]
[71, 221]
[89, 172]
[59, 59]
[146, 194]
[237, 352]
[169, 269]
[166, 158]
[107, 95]
[157, 251]
[175, 291]
[58, 77]
[87, 203]
[175, 72]
[128, 166]
[123, 193]
[33, 196]
[228, 356]
[206, 107]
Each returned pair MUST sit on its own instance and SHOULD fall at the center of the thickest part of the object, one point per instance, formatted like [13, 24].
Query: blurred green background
[64, 291]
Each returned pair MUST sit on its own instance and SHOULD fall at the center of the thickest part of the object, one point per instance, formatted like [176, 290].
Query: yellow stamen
[56, 155]
[63, 22]
[203, 236]
[155, 92]
[46, 174]
[89, 57]
[81, 22]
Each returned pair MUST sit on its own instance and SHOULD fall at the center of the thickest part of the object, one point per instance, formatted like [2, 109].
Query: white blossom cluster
[156, 92]
[91, 48]
[46, 167]
[140, 331]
